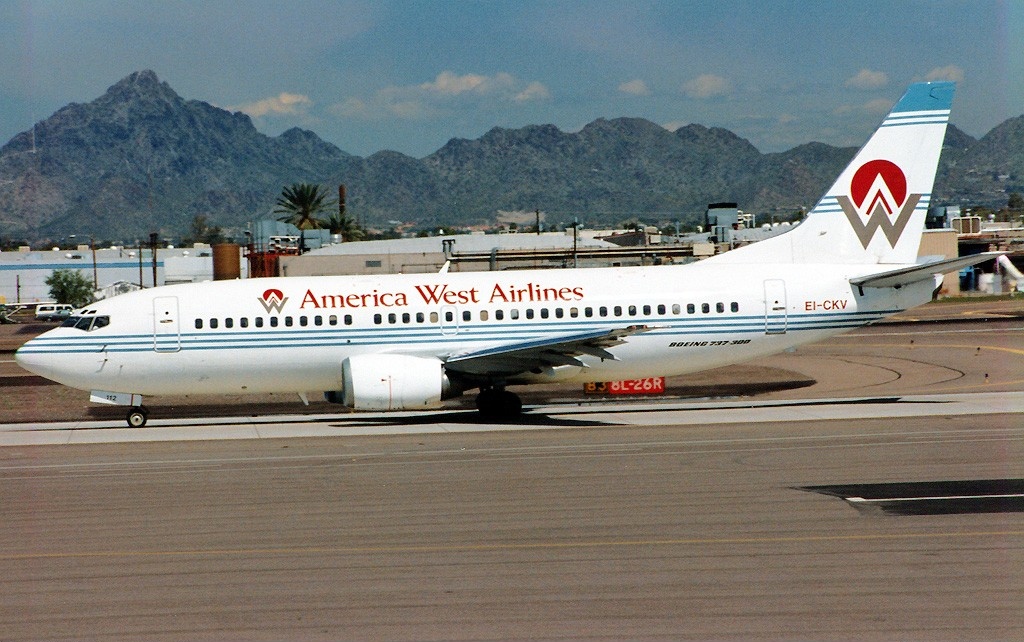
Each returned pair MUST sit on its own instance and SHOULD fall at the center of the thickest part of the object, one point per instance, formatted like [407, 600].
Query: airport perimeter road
[576, 531]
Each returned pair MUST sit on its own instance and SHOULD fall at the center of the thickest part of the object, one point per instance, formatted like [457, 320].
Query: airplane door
[449, 319]
[166, 332]
[775, 316]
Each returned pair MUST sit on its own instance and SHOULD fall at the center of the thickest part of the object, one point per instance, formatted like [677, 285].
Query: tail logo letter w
[878, 199]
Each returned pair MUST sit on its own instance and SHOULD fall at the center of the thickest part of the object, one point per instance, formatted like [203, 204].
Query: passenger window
[675, 308]
[632, 310]
[303, 321]
[735, 306]
[213, 323]
[273, 322]
[348, 319]
[705, 307]
[617, 310]
[720, 307]
[661, 309]
[513, 314]
[690, 309]
[574, 312]
[588, 312]
[543, 313]
[499, 314]
[419, 317]
[602, 311]
[199, 324]
[332, 320]
[529, 313]
[483, 315]
[406, 317]
[467, 315]
[559, 312]
[259, 322]
[244, 322]
[433, 317]
[288, 321]
[378, 319]
[318, 320]
[392, 317]
[449, 316]
[229, 322]
[647, 309]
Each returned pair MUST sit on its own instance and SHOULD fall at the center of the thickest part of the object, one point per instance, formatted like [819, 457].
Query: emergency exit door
[775, 316]
[166, 330]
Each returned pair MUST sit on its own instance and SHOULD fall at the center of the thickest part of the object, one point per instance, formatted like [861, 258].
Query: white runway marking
[550, 417]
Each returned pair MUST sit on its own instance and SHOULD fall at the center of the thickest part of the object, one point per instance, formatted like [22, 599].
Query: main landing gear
[137, 416]
[498, 403]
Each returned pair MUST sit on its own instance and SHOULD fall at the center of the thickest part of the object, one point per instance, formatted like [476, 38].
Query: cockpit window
[87, 323]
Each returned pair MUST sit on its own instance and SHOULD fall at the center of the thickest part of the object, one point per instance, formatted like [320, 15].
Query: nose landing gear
[137, 417]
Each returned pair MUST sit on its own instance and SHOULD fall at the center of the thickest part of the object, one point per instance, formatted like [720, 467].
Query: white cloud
[675, 125]
[534, 91]
[447, 89]
[635, 87]
[706, 86]
[875, 107]
[867, 79]
[282, 104]
[949, 72]
[878, 106]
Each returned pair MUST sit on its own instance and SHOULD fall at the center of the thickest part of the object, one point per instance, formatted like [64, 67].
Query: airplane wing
[906, 276]
[558, 350]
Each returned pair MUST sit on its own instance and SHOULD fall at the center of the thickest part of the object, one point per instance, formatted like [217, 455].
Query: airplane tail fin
[875, 211]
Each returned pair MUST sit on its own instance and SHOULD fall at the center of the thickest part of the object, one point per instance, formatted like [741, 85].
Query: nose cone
[45, 356]
[32, 357]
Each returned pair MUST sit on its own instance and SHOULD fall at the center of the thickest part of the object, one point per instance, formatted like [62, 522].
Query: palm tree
[341, 223]
[300, 205]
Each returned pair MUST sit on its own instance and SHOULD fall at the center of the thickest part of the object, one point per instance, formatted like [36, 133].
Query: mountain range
[140, 158]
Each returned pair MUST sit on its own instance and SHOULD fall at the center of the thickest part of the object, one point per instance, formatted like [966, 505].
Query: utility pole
[153, 239]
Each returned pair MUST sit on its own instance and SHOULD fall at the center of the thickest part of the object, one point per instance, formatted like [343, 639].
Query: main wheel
[497, 403]
[137, 417]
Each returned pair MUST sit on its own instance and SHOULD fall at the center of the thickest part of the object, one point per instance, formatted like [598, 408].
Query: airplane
[410, 341]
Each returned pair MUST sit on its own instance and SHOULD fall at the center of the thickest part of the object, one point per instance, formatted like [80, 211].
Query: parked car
[53, 311]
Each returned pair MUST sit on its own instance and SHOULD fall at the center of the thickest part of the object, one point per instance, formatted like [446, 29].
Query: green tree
[340, 223]
[1016, 201]
[70, 286]
[299, 205]
[203, 232]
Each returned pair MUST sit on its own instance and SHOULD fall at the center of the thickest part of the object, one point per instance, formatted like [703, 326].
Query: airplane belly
[194, 372]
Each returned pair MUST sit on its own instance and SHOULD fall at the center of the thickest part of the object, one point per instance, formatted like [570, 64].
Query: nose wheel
[137, 417]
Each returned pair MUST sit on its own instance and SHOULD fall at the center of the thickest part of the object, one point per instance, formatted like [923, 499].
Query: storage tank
[226, 262]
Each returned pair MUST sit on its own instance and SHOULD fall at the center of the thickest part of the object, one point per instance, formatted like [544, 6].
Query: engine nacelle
[391, 382]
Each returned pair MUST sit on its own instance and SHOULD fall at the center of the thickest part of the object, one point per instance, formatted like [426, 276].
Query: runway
[611, 532]
[671, 520]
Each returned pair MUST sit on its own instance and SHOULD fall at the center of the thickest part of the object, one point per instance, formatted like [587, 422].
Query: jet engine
[392, 382]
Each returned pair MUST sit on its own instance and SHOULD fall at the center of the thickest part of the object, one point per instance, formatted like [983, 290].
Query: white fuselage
[292, 334]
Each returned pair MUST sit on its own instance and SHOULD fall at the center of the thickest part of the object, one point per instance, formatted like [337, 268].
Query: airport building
[273, 250]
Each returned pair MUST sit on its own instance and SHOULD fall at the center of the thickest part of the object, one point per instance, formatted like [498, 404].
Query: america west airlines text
[443, 294]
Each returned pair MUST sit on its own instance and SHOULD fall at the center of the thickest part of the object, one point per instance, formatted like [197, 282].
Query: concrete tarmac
[650, 520]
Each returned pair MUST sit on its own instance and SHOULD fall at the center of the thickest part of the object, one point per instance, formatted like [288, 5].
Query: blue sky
[369, 75]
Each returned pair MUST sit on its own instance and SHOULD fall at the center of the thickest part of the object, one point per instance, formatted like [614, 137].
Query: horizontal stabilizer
[915, 273]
